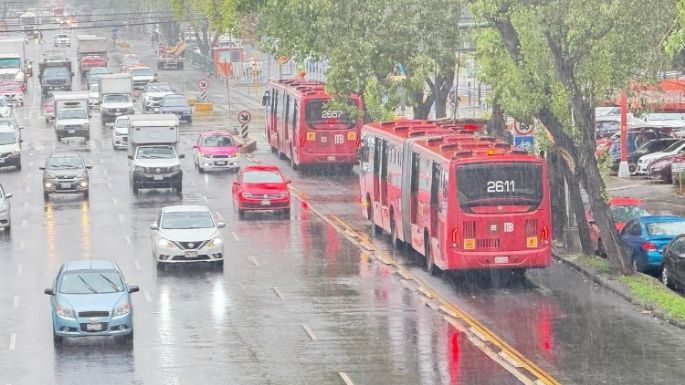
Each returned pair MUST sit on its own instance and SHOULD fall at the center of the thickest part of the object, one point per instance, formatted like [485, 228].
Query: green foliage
[653, 294]
[221, 14]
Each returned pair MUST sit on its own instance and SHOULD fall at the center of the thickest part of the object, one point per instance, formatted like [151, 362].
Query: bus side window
[274, 108]
[444, 185]
[265, 99]
[295, 118]
[435, 183]
[365, 150]
[286, 113]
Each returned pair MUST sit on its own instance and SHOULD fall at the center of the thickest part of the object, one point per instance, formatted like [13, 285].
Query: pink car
[13, 91]
[48, 110]
[216, 150]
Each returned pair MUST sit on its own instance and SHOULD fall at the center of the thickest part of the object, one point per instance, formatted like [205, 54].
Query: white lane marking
[109, 185]
[204, 197]
[255, 261]
[148, 299]
[13, 341]
[15, 302]
[19, 269]
[115, 201]
[128, 240]
[21, 245]
[137, 264]
[175, 381]
[310, 332]
[218, 215]
[23, 222]
[278, 293]
[235, 236]
[345, 378]
[121, 218]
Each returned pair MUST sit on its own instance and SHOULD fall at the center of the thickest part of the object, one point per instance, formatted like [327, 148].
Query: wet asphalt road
[297, 303]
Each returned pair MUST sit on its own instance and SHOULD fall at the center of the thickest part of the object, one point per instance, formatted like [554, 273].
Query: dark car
[65, 173]
[673, 266]
[176, 104]
[660, 169]
[653, 145]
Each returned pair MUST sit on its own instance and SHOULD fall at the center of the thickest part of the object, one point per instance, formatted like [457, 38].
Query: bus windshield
[319, 116]
[496, 184]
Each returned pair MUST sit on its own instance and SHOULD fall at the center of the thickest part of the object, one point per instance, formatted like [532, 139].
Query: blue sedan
[645, 238]
[91, 298]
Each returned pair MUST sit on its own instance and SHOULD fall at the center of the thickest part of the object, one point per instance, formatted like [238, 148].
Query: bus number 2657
[495, 186]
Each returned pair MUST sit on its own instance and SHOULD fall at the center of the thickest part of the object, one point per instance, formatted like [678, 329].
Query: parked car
[91, 298]
[65, 172]
[216, 150]
[660, 169]
[5, 210]
[623, 209]
[259, 188]
[10, 148]
[673, 266]
[176, 104]
[187, 234]
[120, 132]
[645, 238]
[649, 147]
[645, 160]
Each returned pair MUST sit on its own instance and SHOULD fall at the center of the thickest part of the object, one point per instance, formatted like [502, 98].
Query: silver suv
[153, 94]
[5, 210]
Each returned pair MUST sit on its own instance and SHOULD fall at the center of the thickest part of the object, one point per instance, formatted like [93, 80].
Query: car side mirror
[154, 227]
[220, 225]
[181, 156]
[49, 291]
[288, 181]
[71, 73]
[592, 222]
[196, 147]
[130, 157]
[89, 167]
[240, 145]
[41, 168]
[21, 127]
[8, 196]
[21, 140]
[133, 289]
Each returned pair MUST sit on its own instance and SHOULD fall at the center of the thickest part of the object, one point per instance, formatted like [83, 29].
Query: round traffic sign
[244, 117]
[203, 84]
[523, 128]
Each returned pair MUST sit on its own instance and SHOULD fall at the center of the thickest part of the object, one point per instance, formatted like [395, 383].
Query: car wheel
[286, 213]
[666, 276]
[57, 339]
[637, 266]
[179, 187]
[430, 265]
[396, 243]
[19, 165]
[241, 214]
[134, 187]
[219, 265]
[46, 196]
[86, 194]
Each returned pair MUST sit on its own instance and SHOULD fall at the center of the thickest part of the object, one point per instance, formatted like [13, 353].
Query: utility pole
[228, 93]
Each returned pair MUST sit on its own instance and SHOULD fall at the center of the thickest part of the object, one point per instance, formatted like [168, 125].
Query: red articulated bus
[461, 199]
[300, 127]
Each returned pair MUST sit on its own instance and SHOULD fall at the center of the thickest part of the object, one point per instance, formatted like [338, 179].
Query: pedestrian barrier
[243, 131]
[204, 107]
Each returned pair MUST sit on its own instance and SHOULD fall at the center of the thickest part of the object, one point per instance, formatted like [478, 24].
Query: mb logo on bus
[339, 139]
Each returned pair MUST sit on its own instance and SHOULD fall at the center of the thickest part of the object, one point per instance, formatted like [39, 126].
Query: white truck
[72, 117]
[153, 159]
[115, 96]
[13, 63]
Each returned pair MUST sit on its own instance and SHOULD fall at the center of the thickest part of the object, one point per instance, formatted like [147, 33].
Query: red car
[261, 188]
[622, 209]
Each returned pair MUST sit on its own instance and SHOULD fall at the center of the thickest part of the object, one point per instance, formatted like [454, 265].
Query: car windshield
[262, 177]
[158, 88]
[116, 98]
[91, 282]
[64, 162]
[141, 72]
[98, 71]
[155, 153]
[217, 141]
[94, 57]
[8, 138]
[175, 102]
[56, 57]
[121, 122]
[625, 213]
[10, 62]
[187, 220]
[75, 113]
[666, 229]
[674, 146]
[56, 71]
[62, 36]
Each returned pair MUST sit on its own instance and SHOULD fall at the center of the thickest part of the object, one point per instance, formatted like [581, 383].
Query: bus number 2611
[495, 186]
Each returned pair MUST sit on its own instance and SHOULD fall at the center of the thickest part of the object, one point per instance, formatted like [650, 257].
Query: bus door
[283, 121]
[378, 145]
[294, 119]
[414, 200]
[436, 231]
[366, 174]
[273, 120]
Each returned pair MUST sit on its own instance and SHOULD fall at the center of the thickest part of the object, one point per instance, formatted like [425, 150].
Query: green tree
[366, 40]
[557, 59]
[218, 17]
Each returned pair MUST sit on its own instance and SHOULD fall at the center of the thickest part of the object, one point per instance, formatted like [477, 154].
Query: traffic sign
[526, 142]
[244, 117]
[523, 128]
[203, 84]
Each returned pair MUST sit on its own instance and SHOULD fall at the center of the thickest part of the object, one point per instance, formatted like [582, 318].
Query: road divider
[204, 107]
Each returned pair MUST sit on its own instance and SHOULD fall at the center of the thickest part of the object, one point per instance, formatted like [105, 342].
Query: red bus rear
[301, 127]
[463, 200]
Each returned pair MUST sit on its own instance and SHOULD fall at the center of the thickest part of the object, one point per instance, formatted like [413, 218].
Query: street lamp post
[623, 167]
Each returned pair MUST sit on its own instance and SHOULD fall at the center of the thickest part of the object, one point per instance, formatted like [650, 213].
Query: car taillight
[544, 233]
[648, 246]
[455, 234]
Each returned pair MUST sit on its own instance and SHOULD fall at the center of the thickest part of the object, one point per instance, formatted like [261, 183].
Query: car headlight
[86, 125]
[175, 168]
[247, 195]
[215, 242]
[64, 311]
[121, 310]
[282, 194]
[165, 243]
[59, 126]
[140, 169]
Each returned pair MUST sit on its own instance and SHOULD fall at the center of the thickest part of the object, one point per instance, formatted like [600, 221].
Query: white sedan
[187, 234]
[5, 213]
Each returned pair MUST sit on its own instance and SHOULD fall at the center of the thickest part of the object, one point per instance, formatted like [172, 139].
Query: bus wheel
[396, 243]
[430, 266]
[293, 165]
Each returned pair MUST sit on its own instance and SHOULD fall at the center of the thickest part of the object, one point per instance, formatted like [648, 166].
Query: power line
[102, 26]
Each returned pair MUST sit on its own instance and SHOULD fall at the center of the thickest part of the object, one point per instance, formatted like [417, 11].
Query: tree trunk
[422, 108]
[557, 194]
[443, 81]
[496, 124]
[576, 203]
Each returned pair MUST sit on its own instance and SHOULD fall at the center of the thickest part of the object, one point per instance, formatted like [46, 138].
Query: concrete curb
[249, 145]
[616, 287]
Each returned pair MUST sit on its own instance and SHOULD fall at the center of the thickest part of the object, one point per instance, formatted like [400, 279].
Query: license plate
[501, 259]
[220, 163]
[158, 177]
[72, 131]
[331, 157]
[191, 254]
[94, 327]
[65, 185]
[266, 203]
